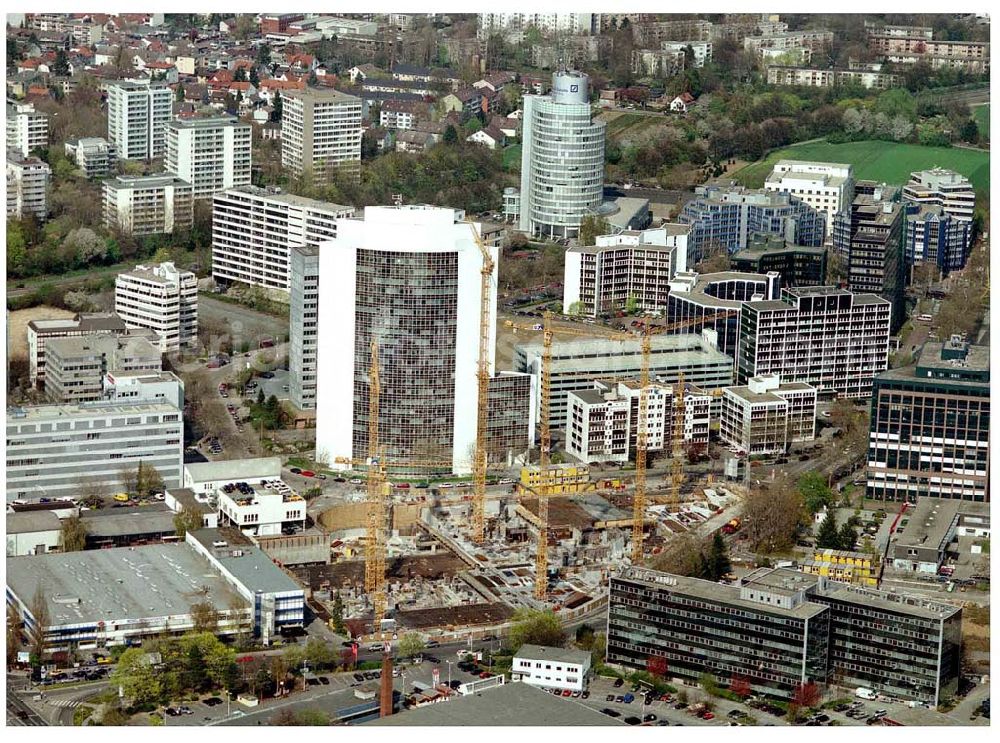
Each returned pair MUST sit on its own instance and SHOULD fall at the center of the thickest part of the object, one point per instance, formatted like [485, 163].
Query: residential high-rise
[562, 158]
[303, 321]
[55, 451]
[148, 204]
[827, 337]
[27, 187]
[161, 298]
[622, 268]
[408, 279]
[320, 131]
[253, 230]
[930, 426]
[826, 187]
[545, 23]
[27, 129]
[212, 154]
[725, 219]
[766, 416]
[870, 233]
[138, 112]
[95, 156]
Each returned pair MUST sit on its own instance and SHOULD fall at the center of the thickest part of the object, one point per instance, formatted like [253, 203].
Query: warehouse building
[829, 338]
[576, 364]
[32, 532]
[930, 426]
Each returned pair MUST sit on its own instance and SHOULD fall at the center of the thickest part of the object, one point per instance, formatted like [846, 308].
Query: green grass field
[888, 162]
[982, 116]
[512, 157]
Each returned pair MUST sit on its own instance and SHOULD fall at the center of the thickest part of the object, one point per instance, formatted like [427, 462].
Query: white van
[863, 693]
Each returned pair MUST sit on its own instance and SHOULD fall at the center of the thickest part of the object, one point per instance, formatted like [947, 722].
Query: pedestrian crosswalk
[64, 703]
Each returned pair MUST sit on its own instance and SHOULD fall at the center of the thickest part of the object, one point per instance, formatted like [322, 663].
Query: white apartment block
[27, 188]
[814, 40]
[320, 130]
[702, 50]
[546, 23]
[163, 299]
[551, 668]
[827, 337]
[628, 266]
[95, 156]
[253, 230]
[40, 332]
[27, 129]
[945, 188]
[54, 449]
[826, 187]
[212, 154]
[766, 417]
[148, 204]
[138, 113]
[597, 425]
[828, 78]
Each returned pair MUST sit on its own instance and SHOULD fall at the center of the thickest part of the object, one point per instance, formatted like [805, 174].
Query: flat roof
[914, 606]
[145, 181]
[513, 704]
[322, 93]
[120, 583]
[289, 198]
[559, 655]
[206, 122]
[697, 284]
[251, 567]
[34, 413]
[28, 522]
[91, 322]
[929, 523]
[599, 508]
[114, 523]
[977, 358]
[234, 470]
[591, 397]
[780, 580]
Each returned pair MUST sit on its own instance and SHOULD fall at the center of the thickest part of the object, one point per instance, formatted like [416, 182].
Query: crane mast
[480, 454]
[375, 544]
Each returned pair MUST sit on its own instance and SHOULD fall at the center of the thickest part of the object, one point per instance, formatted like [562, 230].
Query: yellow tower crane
[377, 496]
[677, 441]
[642, 434]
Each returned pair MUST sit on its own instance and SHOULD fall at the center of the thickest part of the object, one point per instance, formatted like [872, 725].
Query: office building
[602, 423]
[55, 450]
[148, 386]
[27, 129]
[94, 156]
[551, 668]
[212, 154]
[254, 229]
[623, 269]
[577, 363]
[27, 188]
[40, 332]
[562, 158]
[798, 265]
[700, 299]
[766, 417]
[407, 279]
[870, 233]
[163, 299]
[766, 632]
[138, 112]
[834, 340]
[261, 507]
[930, 426]
[303, 321]
[724, 219]
[826, 187]
[950, 190]
[148, 204]
[778, 629]
[320, 131]
[75, 366]
[935, 237]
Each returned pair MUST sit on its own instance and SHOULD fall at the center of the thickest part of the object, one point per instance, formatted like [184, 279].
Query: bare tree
[36, 630]
[128, 476]
[773, 514]
[93, 492]
[73, 535]
[204, 616]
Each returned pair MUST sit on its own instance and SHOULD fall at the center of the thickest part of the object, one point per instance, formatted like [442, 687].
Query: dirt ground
[346, 573]
[17, 326]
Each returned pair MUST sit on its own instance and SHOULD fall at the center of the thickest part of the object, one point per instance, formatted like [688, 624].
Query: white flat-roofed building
[826, 187]
[628, 266]
[32, 532]
[702, 50]
[204, 478]
[148, 204]
[551, 668]
[408, 279]
[27, 129]
[945, 188]
[76, 365]
[40, 332]
[27, 188]
[253, 230]
[95, 156]
[163, 299]
[320, 131]
[54, 449]
[212, 153]
[138, 112]
[766, 416]
[261, 507]
[149, 386]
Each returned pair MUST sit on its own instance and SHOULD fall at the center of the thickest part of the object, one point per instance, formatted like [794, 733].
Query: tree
[718, 563]
[740, 686]
[707, 682]
[61, 65]
[36, 631]
[815, 491]
[179, 93]
[254, 77]
[264, 53]
[536, 627]
[240, 76]
[847, 536]
[828, 537]
[969, 131]
[204, 616]
[410, 645]
[590, 227]
[807, 695]
[244, 26]
[139, 683]
[148, 480]
[128, 477]
[187, 520]
[337, 613]
[450, 135]
[72, 535]
[278, 105]
[773, 513]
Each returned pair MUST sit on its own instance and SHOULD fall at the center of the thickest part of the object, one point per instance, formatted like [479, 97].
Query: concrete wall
[355, 516]
[297, 549]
